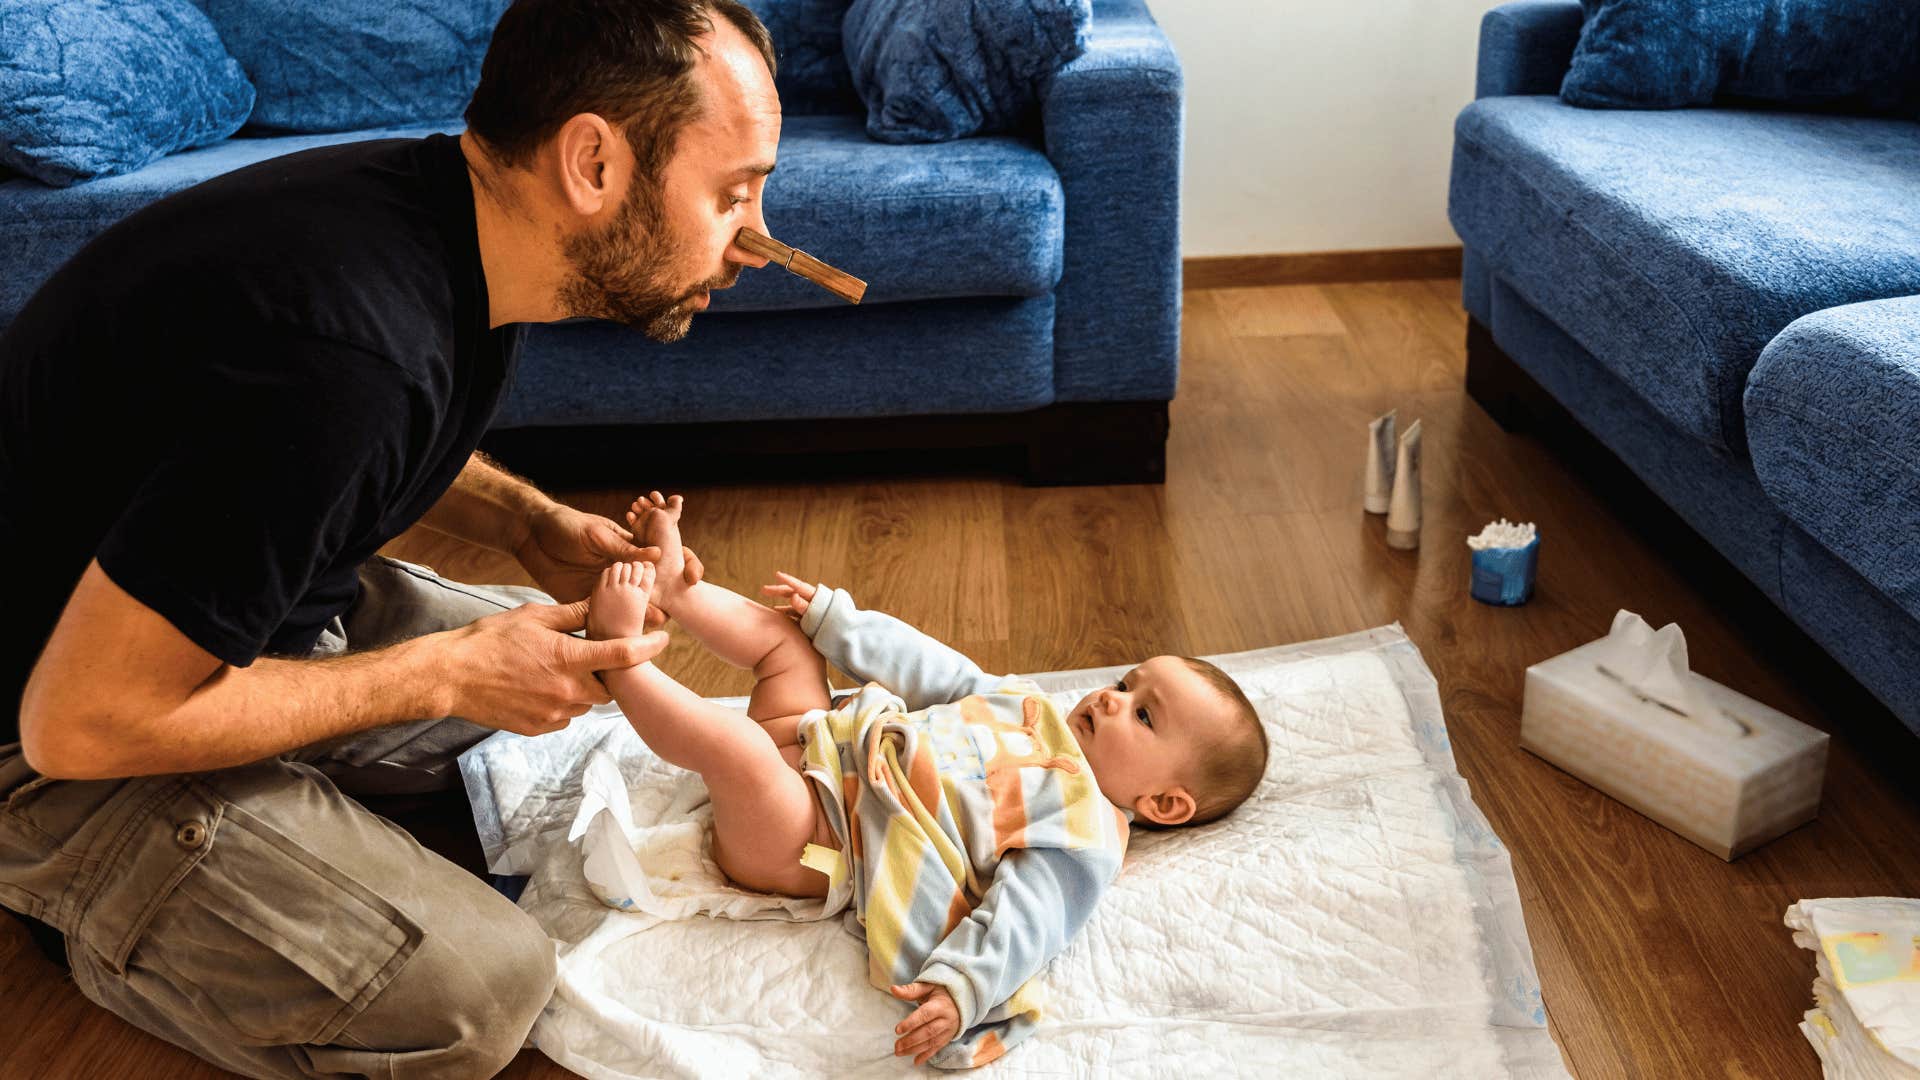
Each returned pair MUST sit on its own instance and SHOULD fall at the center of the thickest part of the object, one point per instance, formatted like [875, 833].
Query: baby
[970, 825]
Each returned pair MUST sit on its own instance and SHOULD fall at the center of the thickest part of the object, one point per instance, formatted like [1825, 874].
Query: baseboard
[1309, 268]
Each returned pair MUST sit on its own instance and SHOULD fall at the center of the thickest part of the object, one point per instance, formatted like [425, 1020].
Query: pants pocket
[257, 938]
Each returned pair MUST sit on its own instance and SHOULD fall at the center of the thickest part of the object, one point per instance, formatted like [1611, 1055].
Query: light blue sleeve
[1039, 899]
[873, 646]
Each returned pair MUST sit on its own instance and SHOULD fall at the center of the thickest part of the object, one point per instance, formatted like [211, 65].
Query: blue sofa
[1727, 300]
[1024, 289]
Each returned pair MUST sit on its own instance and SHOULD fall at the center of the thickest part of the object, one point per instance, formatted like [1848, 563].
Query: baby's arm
[873, 646]
[1039, 899]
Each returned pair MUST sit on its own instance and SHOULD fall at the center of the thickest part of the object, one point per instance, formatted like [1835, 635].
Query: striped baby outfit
[974, 839]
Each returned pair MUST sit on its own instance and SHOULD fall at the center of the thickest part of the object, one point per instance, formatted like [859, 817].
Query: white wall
[1319, 125]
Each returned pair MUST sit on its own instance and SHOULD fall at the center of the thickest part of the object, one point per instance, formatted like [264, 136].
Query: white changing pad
[1356, 917]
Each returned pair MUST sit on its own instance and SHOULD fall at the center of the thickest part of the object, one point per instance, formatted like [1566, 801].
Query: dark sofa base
[1121, 442]
[1519, 403]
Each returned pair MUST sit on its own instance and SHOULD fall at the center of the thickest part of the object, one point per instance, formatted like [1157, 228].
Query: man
[212, 418]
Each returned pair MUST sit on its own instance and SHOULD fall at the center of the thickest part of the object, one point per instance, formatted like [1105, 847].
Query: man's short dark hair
[628, 61]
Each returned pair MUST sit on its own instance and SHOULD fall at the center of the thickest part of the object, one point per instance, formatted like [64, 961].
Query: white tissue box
[1725, 771]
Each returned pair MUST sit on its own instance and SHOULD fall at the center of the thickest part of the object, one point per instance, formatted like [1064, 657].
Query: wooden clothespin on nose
[833, 279]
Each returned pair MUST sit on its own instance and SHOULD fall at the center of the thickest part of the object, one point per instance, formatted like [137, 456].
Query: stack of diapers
[1865, 1023]
[1356, 917]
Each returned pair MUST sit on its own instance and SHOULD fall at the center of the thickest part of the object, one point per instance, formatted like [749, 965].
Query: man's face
[670, 243]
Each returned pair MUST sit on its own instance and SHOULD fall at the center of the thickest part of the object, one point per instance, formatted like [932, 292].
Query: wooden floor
[1657, 959]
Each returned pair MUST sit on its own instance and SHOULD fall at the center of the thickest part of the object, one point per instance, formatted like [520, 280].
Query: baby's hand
[798, 594]
[929, 1027]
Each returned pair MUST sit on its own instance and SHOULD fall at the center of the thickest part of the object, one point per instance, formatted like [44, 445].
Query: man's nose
[737, 254]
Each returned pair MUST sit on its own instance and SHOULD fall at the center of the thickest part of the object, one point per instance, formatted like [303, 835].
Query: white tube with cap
[1403, 513]
[1380, 463]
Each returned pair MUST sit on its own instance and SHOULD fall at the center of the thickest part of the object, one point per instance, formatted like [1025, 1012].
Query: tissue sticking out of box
[1502, 534]
[1653, 664]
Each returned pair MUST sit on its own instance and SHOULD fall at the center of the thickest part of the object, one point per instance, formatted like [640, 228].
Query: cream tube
[1380, 463]
[1403, 516]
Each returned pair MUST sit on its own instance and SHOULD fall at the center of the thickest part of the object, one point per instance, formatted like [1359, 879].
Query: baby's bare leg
[789, 675]
[763, 813]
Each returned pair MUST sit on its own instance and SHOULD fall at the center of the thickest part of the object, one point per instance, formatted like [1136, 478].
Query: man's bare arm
[562, 549]
[118, 691]
[487, 506]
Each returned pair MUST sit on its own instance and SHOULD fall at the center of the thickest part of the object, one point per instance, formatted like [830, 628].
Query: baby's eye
[1144, 718]
[1121, 686]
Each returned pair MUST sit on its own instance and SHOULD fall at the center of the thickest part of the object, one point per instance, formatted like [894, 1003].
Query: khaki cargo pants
[261, 918]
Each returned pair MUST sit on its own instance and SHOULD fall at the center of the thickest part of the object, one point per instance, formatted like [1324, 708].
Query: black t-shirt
[236, 395]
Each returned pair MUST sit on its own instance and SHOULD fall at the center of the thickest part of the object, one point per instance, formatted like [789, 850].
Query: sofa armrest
[1833, 425]
[1112, 121]
[1526, 47]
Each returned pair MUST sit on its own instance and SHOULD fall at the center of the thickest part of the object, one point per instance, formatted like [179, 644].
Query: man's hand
[928, 1028]
[523, 671]
[565, 550]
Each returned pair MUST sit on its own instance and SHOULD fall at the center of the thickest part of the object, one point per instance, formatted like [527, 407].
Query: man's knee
[466, 1000]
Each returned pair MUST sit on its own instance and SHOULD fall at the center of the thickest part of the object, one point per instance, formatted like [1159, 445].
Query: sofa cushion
[89, 88]
[1833, 417]
[1674, 245]
[979, 217]
[930, 72]
[345, 65]
[1860, 55]
[973, 217]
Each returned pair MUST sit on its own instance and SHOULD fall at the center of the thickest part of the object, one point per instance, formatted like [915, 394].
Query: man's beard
[622, 273]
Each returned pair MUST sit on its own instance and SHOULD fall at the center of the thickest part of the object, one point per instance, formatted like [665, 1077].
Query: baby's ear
[1170, 807]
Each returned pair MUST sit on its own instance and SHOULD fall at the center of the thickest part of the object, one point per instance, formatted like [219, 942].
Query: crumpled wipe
[663, 870]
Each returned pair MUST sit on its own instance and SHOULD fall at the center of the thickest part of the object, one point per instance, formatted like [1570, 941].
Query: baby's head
[1174, 740]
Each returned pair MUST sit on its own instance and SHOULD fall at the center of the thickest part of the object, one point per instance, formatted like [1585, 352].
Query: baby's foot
[618, 607]
[655, 520]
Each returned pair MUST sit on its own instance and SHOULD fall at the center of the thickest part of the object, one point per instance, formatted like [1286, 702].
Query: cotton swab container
[1505, 559]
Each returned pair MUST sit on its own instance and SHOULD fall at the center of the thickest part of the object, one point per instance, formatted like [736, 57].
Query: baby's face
[1144, 734]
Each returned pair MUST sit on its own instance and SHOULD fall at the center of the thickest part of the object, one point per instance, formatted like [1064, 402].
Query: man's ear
[588, 157]
[1170, 807]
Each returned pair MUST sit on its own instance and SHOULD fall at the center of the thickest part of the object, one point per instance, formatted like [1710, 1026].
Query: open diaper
[1356, 917]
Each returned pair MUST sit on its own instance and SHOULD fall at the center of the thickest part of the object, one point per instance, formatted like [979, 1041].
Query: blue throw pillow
[342, 65]
[1856, 55]
[931, 70]
[101, 87]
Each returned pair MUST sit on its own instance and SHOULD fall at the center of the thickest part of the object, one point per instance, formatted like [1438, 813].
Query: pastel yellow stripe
[943, 846]
[1030, 998]
[890, 896]
[1082, 821]
[949, 787]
